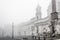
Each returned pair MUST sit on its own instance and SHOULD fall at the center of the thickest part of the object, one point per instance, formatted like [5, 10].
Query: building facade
[39, 25]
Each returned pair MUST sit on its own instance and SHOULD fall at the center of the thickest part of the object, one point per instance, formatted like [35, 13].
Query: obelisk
[54, 17]
[53, 6]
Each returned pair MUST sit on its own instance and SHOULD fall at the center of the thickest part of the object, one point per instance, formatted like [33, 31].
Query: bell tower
[38, 12]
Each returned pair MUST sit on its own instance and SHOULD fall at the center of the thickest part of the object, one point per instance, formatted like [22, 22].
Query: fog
[18, 11]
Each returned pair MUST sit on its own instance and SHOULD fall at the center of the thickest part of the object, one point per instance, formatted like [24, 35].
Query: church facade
[40, 25]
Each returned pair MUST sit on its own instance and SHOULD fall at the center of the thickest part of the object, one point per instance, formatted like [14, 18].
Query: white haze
[19, 11]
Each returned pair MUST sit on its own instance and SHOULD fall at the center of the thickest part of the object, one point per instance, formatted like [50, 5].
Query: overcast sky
[18, 11]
